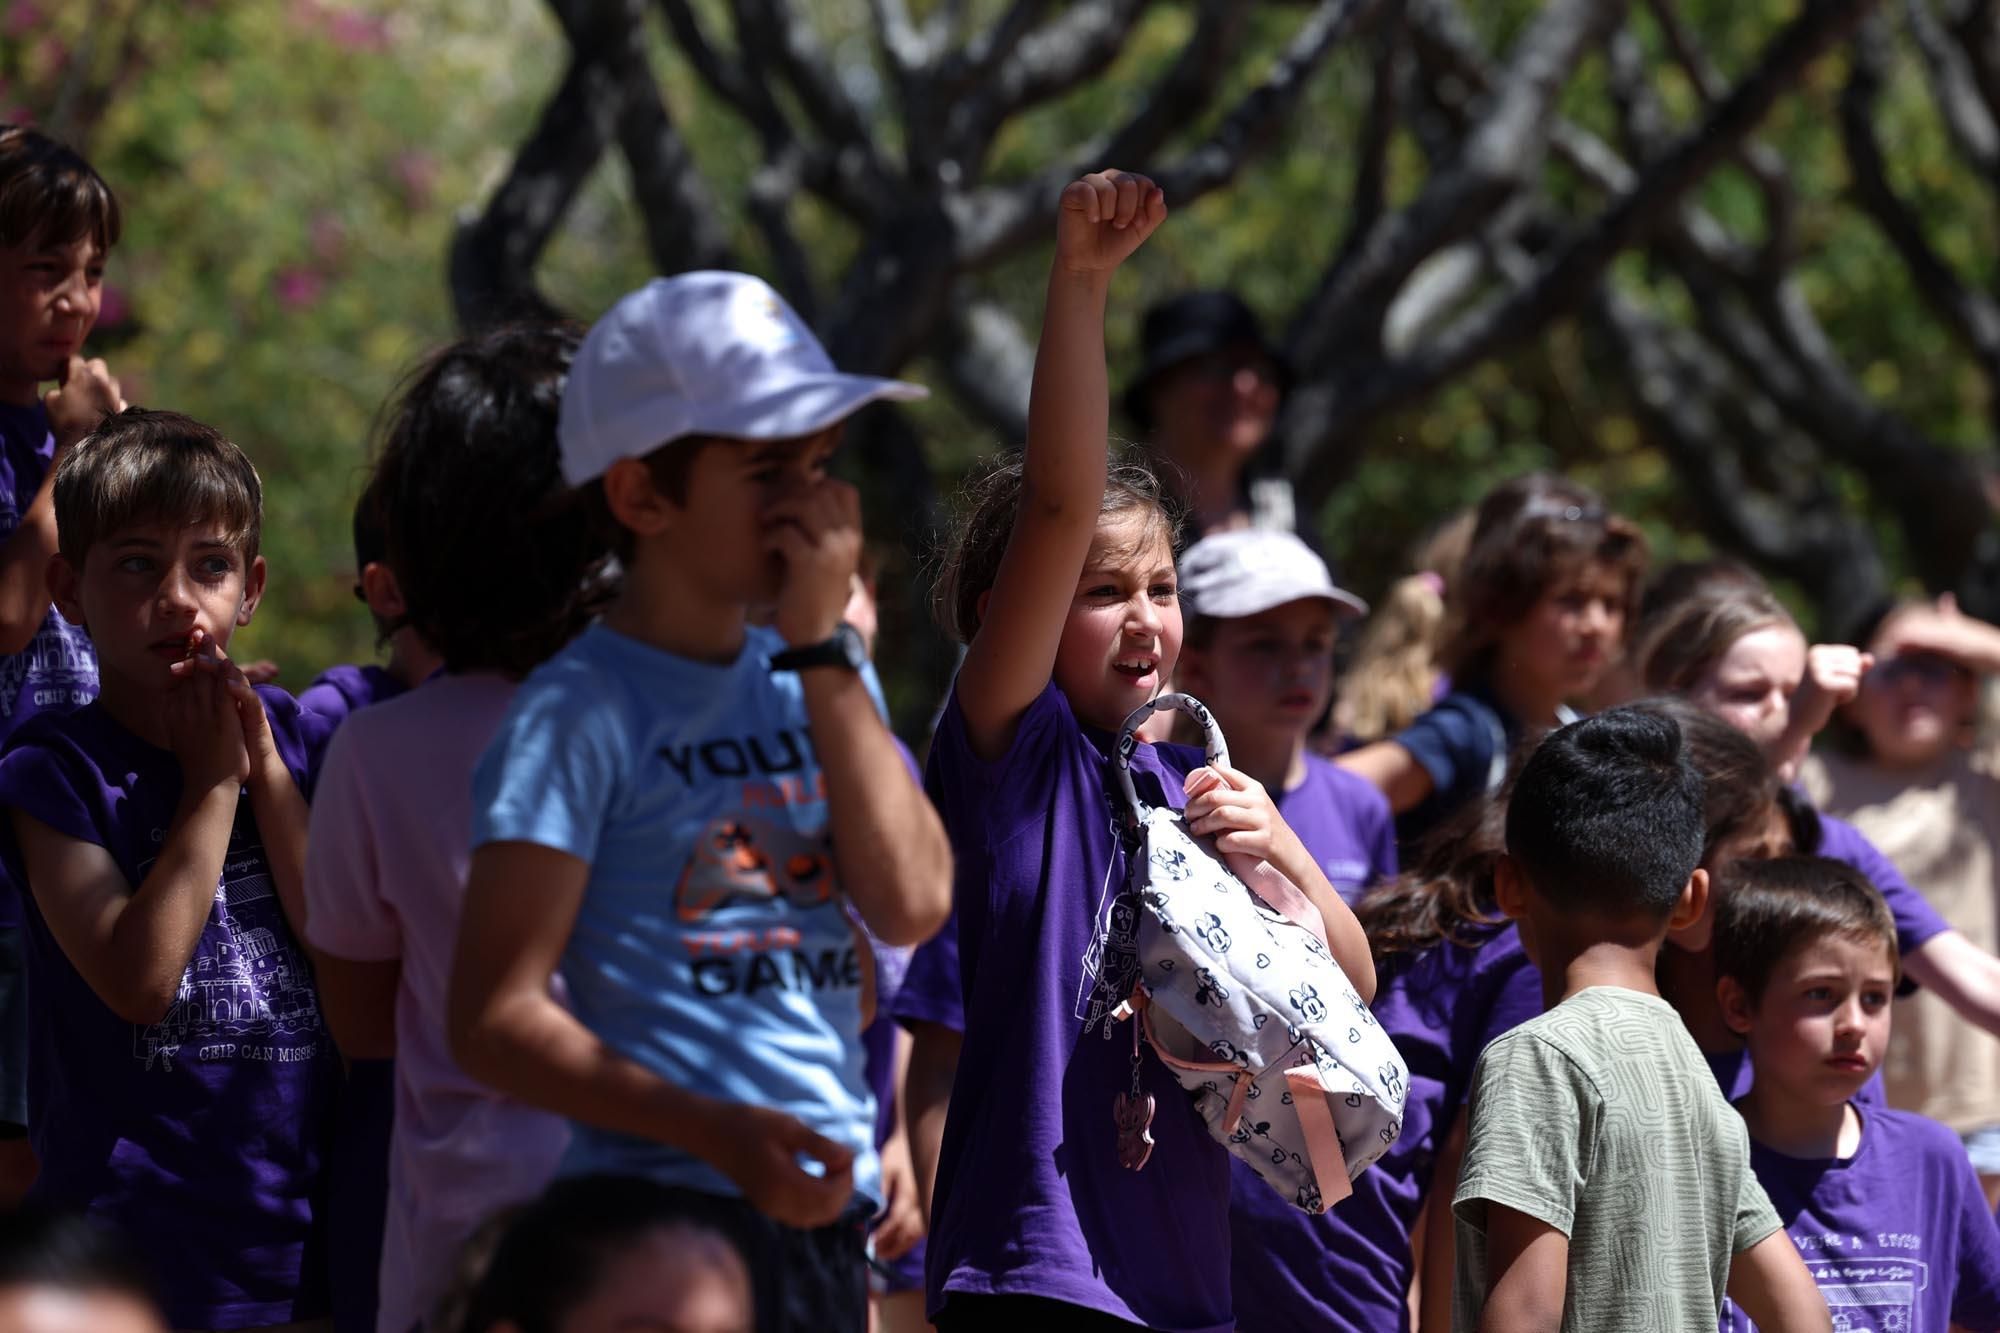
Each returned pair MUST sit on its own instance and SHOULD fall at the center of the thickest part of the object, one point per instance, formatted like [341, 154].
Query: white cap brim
[804, 407]
[1253, 601]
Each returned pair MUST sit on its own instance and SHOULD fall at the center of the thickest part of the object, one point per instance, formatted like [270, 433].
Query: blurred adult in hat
[1205, 399]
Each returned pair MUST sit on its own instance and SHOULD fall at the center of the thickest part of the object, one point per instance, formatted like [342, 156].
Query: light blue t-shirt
[713, 945]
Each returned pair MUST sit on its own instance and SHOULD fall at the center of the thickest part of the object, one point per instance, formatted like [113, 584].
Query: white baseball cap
[1250, 570]
[707, 353]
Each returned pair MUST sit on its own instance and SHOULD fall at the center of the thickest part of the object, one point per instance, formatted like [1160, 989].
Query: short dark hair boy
[1565, 1196]
[177, 1019]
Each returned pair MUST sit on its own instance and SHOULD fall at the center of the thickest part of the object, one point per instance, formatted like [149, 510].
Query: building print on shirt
[247, 993]
[1875, 1293]
[59, 660]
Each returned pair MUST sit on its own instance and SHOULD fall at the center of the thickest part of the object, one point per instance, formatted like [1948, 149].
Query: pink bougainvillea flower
[22, 18]
[114, 307]
[298, 287]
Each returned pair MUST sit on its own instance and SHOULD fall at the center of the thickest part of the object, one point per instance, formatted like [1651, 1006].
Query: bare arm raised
[1104, 218]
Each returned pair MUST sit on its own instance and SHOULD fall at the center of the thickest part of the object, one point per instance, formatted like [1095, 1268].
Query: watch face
[852, 646]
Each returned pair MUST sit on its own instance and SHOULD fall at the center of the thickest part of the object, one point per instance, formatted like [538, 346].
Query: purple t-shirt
[200, 1135]
[1030, 1198]
[1916, 919]
[878, 1046]
[1897, 1236]
[932, 991]
[1344, 821]
[58, 670]
[1351, 1268]
[348, 688]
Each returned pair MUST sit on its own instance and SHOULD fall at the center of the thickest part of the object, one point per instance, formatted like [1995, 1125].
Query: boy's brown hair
[145, 466]
[50, 195]
[1767, 909]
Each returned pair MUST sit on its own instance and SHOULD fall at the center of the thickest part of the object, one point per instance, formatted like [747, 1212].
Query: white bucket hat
[708, 353]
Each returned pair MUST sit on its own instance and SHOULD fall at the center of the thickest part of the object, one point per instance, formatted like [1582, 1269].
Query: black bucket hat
[1193, 324]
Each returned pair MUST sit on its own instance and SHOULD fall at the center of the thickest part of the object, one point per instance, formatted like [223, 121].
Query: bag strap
[1329, 1163]
[1128, 740]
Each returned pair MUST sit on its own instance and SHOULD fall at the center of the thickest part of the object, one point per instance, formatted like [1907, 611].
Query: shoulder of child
[1909, 1136]
[45, 772]
[302, 735]
[1046, 723]
[1348, 789]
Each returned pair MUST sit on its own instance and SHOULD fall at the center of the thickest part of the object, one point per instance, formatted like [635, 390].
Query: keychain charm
[1134, 1115]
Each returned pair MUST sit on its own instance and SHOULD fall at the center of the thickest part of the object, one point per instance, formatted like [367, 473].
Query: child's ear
[253, 591]
[63, 580]
[1691, 924]
[384, 594]
[1735, 1002]
[1510, 887]
[635, 502]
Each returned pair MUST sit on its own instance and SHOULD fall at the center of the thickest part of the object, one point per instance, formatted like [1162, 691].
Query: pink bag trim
[1232, 1115]
[1329, 1163]
[1280, 895]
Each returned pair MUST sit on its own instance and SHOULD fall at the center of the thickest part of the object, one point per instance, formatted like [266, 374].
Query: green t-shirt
[1601, 1118]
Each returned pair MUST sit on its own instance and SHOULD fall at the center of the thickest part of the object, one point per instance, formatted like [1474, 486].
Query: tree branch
[1018, 68]
[1500, 155]
[1967, 115]
[989, 361]
[1568, 274]
[1685, 401]
[1250, 124]
[1971, 314]
[1000, 220]
[492, 259]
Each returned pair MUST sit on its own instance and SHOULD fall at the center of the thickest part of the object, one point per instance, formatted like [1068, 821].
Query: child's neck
[411, 660]
[1529, 703]
[1567, 970]
[18, 392]
[1798, 1127]
[1687, 982]
[1279, 763]
[658, 606]
[1213, 489]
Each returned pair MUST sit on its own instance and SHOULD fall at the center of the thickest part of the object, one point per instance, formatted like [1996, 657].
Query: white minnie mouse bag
[1240, 998]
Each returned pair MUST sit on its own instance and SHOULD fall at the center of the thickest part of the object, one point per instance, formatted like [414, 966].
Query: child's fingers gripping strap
[1217, 749]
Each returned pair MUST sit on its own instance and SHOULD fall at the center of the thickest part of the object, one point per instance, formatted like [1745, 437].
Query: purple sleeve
[1517, 995]
[35, 780]
[931, 991]
[1380, 838]
[1976, 1302]
[326, 699]
[301, 735]
[1916, 919]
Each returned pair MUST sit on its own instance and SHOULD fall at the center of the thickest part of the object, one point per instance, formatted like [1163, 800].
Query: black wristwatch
[845, 649]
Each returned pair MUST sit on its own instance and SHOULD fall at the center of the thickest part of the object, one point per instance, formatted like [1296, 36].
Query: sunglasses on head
[1922, 668]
